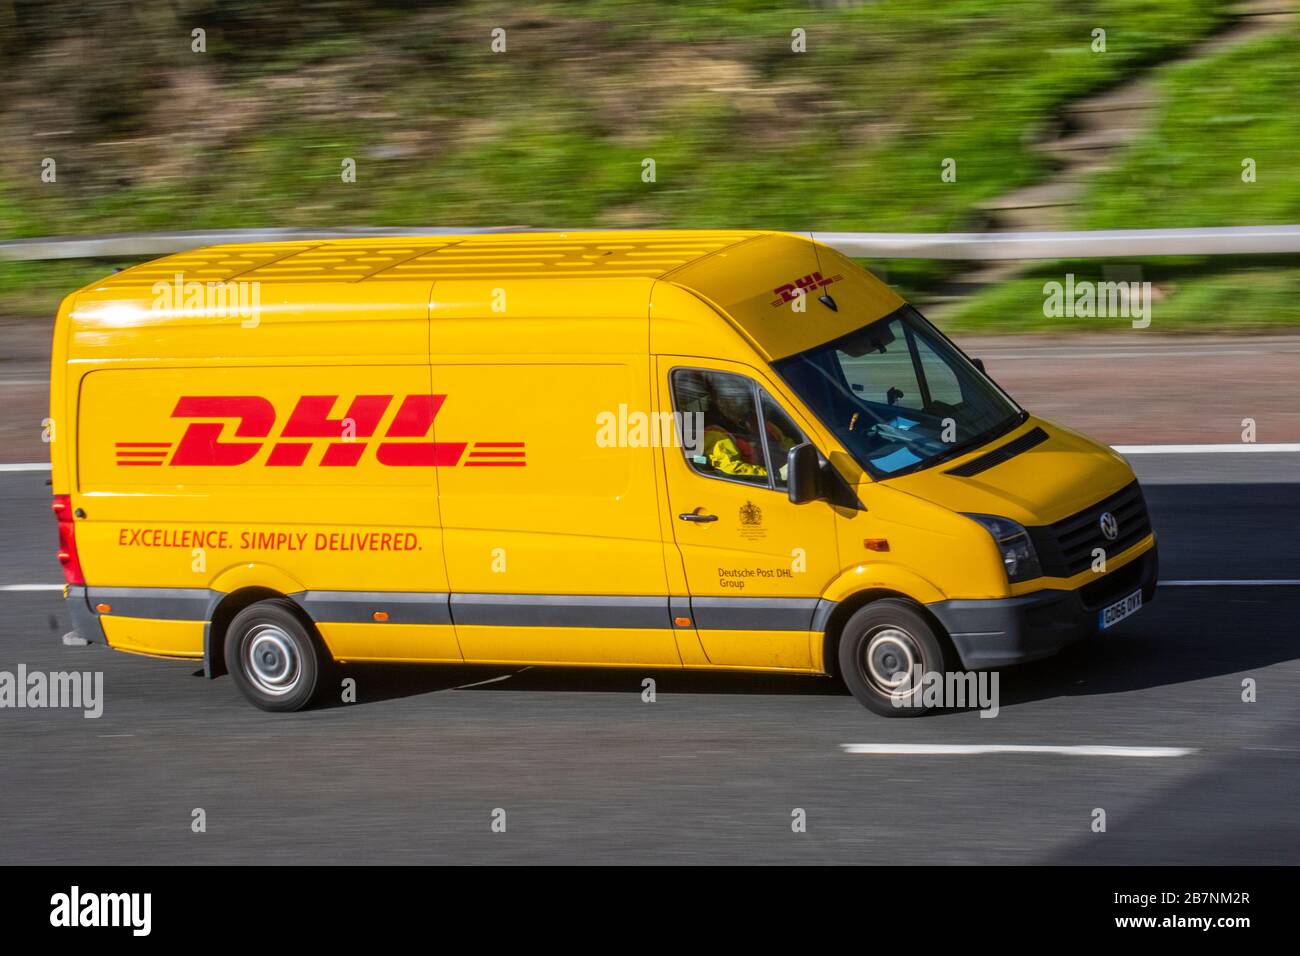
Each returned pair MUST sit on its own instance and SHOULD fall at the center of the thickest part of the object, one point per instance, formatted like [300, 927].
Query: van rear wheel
[272, 656]
[884, 651]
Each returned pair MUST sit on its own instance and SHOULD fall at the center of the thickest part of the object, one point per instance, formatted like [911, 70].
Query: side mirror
[979, 364]
[804, 474]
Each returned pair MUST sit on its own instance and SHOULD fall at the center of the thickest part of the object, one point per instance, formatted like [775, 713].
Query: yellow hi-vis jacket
[725, 453]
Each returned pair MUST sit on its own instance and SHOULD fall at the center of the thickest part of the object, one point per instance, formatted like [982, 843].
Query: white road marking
[1224, 449]
[493, 680]
[31, 587]
[965, 749]
[27, 466]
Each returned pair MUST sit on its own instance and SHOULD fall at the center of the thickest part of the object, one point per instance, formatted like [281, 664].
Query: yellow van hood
[1042, 485]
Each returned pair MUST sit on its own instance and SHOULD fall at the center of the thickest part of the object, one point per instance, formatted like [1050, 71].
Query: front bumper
[1004, 631]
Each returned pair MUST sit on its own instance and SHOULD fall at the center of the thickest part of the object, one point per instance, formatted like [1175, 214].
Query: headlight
[1018, 555]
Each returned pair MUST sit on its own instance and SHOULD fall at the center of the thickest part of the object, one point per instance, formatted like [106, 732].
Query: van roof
[747, 277]
[623, 255]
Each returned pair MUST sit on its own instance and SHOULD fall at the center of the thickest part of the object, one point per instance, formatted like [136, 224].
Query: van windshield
[899, 395]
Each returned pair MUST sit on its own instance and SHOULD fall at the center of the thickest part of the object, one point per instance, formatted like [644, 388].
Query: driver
[730, 434]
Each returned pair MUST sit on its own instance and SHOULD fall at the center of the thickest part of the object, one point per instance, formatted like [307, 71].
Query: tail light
[67, 540]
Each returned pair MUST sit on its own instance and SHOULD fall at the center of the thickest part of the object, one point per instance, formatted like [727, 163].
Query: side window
[725, 435]
[939, 376]
[719, 427]
[782, 435]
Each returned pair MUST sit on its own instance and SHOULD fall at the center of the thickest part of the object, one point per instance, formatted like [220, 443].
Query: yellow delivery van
[711, 450]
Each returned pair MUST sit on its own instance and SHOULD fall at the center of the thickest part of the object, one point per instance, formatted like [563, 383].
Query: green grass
[35, 288]
[1189, 295]
[1216, 112]
[743, 132]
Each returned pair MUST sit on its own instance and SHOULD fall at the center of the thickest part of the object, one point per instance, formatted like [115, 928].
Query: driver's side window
[728, 432]
[782, 435]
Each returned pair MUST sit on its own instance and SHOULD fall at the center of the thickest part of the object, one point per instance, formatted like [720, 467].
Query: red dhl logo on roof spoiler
[405, 443]
[809, 283]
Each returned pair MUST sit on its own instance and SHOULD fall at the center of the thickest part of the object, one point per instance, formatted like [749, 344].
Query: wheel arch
[855, 602]
[214, 632]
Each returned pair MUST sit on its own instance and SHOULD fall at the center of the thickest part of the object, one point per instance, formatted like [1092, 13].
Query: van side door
[551, 528]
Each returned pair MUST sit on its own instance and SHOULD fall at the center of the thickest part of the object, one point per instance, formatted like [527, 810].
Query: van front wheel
[272, 656]
[885, 650]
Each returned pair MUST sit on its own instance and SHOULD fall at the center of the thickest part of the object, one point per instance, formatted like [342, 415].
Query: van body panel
[183, 639]
[925, 541]
[621, 646]
[251, 574]
[316, 498]
[1062, 475]
[293, 322]
[760, 650]
[574, 502]
[684, 322]
[469, 449]
[391, 643]
[534, 317]
[872, 575]
[765, 313]
[61, 426]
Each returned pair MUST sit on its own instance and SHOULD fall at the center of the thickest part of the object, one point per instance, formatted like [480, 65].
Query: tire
[882, 641]
[273, 656]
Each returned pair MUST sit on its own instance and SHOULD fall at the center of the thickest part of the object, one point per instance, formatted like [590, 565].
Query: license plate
[1120, 610]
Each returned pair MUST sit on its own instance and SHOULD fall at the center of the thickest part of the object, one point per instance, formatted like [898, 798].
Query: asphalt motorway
[716, 768]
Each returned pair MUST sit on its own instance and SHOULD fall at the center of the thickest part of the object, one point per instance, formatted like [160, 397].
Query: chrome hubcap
[271, 660]
[892, 661]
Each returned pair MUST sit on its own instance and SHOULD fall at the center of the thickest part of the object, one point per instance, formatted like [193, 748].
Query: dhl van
[708, 450]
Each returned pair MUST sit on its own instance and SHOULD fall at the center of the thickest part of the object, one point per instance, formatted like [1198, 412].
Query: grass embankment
[743, 132]
[1215, 114]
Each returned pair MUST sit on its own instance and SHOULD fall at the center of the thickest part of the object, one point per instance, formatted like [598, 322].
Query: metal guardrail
[982, 246]
[135, 245]
[1103, 244]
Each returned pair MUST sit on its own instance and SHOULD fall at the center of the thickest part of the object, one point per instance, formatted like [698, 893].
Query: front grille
[1065, 548]
[1109, 588]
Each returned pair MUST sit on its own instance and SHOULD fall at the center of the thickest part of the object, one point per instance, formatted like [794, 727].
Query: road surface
[713, 770]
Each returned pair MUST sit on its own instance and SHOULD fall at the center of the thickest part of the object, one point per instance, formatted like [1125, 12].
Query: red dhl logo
[405, 443]
[809, 283]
